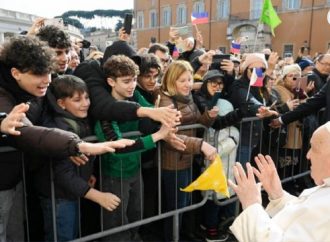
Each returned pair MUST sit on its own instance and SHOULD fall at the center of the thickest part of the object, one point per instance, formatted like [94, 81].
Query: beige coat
[294, 132]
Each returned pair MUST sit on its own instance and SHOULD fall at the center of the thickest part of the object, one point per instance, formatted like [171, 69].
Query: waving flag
[257, 78]
[269, 16]
[235, 48]
[213, 178]
[200, 18]
[175, 53]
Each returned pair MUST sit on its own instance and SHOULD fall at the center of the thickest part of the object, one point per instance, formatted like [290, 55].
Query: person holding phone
[288, 95]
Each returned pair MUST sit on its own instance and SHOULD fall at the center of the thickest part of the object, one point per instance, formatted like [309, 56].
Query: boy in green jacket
[121, 171]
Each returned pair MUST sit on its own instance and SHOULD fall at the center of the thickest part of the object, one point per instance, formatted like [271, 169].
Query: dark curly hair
[149, 61]
[65, 86]
[120, 65]
[55, 37]
[27, 54]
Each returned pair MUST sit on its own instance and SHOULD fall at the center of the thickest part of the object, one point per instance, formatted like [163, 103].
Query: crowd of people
[51, 98]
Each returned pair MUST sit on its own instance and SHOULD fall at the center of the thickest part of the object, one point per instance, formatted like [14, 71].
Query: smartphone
[216, 61]
[301, 83]
[215, 99]
[58, 22]
[183, 31]
[128, 23]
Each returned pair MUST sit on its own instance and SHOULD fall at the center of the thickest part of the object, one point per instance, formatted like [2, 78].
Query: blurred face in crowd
[184, 83]
[74, 59]
[290, 80]
[77, 105]
[214, 85]
[62, 59]
[122, 87]
[323, 65]
[257, 64]
[319, 155]
[35, 85]
[148, 81]
[164, 59]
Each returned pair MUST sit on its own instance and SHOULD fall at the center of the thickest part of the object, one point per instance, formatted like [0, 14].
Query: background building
[304, 23]
[13, 23]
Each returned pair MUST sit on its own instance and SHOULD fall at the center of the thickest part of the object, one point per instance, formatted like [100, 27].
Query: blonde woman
[176, 166]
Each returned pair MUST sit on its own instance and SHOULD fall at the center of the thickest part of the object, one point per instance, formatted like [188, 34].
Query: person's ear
[15, 73]
[60, 102]
[111, 82]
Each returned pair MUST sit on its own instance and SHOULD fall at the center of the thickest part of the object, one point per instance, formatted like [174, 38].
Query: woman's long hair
[175, 70]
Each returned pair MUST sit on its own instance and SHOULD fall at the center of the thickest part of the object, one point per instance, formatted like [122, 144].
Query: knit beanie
[290, 69]
[252, 58]
[305, 63]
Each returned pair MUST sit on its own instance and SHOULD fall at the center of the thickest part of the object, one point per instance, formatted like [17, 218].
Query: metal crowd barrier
[290, 172]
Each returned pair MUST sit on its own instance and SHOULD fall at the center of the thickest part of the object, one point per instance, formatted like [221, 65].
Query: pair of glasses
[263, 69]
[294, 77]
[325, 63]
[216, 84]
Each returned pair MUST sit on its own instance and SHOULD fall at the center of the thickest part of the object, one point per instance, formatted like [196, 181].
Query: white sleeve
[255, 225]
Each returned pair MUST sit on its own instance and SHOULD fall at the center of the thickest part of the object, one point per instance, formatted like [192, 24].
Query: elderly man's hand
[247, 190]
[267, 175]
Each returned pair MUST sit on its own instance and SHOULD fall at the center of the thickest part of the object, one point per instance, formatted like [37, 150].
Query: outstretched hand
[267, 175]
[247, 190]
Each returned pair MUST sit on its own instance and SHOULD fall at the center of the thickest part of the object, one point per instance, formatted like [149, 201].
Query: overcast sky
[53, 8]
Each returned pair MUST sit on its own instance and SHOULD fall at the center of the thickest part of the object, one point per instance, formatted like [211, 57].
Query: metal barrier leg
[176, 227]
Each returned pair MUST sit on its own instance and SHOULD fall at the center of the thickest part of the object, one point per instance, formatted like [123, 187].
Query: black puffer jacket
[204, 101]
[103, 105]
[70, 181]
[52, 142]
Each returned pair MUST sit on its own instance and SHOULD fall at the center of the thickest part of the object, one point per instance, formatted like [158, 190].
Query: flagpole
[247, 95]
[255, 38]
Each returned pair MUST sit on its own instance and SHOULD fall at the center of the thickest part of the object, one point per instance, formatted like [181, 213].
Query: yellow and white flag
[213, 178]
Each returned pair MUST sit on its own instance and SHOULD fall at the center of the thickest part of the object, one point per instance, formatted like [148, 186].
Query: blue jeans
[66, 219]
[174, 198]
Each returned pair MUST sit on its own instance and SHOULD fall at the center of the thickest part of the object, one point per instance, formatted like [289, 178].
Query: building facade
[304, 23]
[13, 23]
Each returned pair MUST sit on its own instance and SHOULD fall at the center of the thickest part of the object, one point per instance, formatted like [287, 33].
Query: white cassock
[288, 219]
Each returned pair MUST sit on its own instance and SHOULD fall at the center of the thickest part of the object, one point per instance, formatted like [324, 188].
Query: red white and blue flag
[200, 18]
[257, 77]
[175, 53]
[235, 48]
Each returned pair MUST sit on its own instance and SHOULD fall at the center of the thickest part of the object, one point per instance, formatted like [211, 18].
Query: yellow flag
[213, 178]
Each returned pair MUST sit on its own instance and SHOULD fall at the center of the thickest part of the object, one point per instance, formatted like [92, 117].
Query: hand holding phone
[128, 23]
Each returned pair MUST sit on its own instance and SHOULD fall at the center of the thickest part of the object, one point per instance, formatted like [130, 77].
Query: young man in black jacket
[25, 67]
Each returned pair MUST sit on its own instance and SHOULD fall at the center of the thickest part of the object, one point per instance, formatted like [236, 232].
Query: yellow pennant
[213, 178]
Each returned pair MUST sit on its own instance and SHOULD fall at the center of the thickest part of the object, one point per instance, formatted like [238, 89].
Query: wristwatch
[2, 117]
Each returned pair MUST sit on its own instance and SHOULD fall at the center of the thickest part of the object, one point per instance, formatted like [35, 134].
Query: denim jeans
[130, 191]
[6, 202]
[66, 219]
[174, 198]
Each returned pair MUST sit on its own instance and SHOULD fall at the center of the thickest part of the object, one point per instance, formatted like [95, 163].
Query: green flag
[269, 16]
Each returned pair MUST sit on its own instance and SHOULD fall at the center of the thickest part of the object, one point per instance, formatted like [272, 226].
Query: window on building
[256, 9]
[181, 16]
[288, 50]
[291, 4]
[198, 6]
[223, 9]
[153, 19]
[140, 20]
[167, 16]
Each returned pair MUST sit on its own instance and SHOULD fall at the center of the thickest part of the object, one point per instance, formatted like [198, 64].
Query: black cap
[212, 74]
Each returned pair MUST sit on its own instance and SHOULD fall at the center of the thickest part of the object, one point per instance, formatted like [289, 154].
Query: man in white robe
[286, 218]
